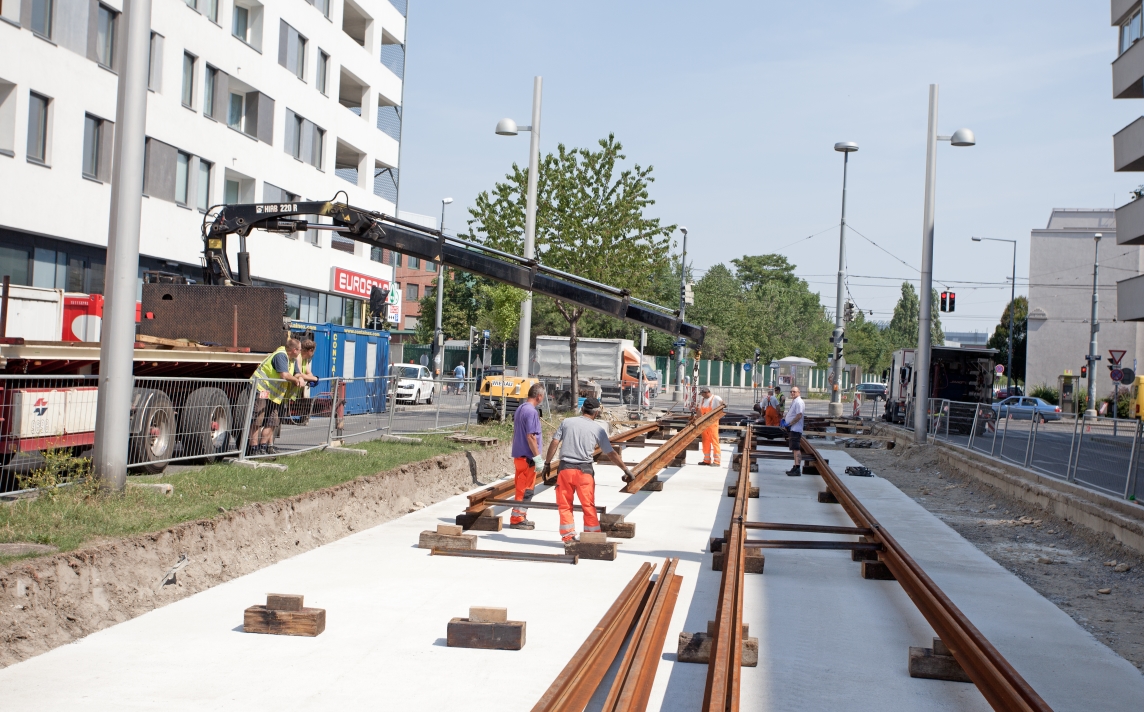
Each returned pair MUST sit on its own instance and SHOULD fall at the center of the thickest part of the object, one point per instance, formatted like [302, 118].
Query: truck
[957, 374]
[612, 363]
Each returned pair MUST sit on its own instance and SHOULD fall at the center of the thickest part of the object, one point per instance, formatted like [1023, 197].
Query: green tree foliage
[590, 222]
[466, 298]
[1000, 338]
[903, 330]
[869, 344]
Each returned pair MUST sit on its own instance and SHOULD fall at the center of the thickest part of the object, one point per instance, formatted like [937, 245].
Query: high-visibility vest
[266, 377]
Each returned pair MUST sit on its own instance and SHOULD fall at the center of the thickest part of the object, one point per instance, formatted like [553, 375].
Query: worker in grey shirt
[577, 439]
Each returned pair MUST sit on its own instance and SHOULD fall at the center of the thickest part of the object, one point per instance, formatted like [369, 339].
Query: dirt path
[1066, 564]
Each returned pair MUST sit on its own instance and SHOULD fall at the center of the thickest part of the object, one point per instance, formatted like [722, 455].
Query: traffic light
[1084, 371]
[378, 303]
[848, 312]
[474, 337]
[688, 295]
[952, 297]
[945, 301]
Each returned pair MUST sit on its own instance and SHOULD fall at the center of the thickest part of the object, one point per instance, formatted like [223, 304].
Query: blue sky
[738, 106]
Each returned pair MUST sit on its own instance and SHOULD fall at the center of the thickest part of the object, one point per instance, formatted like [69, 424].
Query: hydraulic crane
[383, 231]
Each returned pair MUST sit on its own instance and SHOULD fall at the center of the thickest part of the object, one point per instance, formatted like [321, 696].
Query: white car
[414, 383]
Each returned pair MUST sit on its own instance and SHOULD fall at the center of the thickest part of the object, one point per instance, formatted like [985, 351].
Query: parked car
[414, 383]
[1024, 408]
[1003, 393]
[873, 390]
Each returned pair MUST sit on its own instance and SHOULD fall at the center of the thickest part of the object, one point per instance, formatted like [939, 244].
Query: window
[323, 71]
[356, 23]
[411, 292]
[414, 262]
[241, 27]
[155, 63]
[231, 194]
[343, 244]
[212, 10]
[430, 266]
[318, 148]
[182, 174]
[235, 112]
[105, 36]
[38, 128]
[50, 269]
[92, 143]
[7, 119]
[1130, 31]
[210, 83]
[42, 17]
[191, 4]
[203, 192]
[292, 50]
[396, 259]
[188, 94]
[323, 6]
[294, 126]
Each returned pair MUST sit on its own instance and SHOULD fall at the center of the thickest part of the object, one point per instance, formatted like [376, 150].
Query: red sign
[354, 284]
[1115, 355]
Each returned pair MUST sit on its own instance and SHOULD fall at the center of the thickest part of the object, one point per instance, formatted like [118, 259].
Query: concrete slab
[827, 638]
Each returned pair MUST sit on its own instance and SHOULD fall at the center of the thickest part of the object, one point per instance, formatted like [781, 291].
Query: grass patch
[79, 514]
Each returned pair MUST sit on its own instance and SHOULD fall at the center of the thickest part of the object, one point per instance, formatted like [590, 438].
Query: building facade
[1060, 296]
[248, 102]
[1128, 146]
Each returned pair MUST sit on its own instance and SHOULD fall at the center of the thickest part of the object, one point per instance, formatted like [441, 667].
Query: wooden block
[609, 520]
[307, 622]
[733, 490]
[505, 635]
[655, 485]
[450, 529]
[711, 629]
[488, 614]
[696, 648]
[284, 602]
[827, 497]
[620, 530]
[939, 647]
[593, 538]
[857, 555]
[693, 446]
[877, 571]
[433, 540]
[925, 663]
[484, 521]
[753, 560]
[587, 550]
[679, 461]
[810, 468]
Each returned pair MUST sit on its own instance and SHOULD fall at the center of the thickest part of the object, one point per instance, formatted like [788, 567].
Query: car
[1003, 393]
[1024, 408]
[873, 390]
[414, 383]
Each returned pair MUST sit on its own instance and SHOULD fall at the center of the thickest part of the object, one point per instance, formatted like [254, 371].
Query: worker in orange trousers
[706, 404]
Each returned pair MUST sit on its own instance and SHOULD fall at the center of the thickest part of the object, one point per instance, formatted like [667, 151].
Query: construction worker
[272, 381]
[768, 407]
[526, 437]
[705, 405]
[578, 439]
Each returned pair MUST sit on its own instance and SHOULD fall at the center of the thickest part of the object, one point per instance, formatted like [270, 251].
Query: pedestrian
[706, 404]
[459, 374]
[794, 422]
[272, 381]
[526, 437]
[782, 399]
[578, 439]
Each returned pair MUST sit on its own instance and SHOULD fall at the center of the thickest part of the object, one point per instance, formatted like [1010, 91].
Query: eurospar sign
[358, 285]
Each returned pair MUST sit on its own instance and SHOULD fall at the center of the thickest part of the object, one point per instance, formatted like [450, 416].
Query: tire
[1043, 421]
[238, 415]
[205, 428]
[416, 398]
[153, 430]
[429, 398]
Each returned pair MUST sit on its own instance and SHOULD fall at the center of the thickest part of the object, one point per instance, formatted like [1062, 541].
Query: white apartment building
[249, 101]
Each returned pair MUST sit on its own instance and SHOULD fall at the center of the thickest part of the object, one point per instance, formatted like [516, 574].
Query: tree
[465, 299]
[1000, 338]
[903, 331]
[590, 222]
[868, 345]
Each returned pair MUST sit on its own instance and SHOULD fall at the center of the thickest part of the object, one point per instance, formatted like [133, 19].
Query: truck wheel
[152, 431]
[239, 419]
[205, 426]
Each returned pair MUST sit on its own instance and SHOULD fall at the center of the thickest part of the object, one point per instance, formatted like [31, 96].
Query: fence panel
[362, 407]
[300, 423]
[449, 407]
[1103, 454]
[1054, 443]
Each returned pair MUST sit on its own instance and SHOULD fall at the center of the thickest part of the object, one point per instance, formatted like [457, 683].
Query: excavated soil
[1091, 577]
[49, 601]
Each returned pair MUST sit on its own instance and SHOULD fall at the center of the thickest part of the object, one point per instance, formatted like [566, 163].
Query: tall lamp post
[835, 407]
[508, 127]
[961, 137]
[1094, 326]
[438, 333]
[1012, 298]
[677, 394]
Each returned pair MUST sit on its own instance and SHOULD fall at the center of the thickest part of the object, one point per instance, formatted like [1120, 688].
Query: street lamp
[961, 137]
[679, 369]
[1012, 307]
[508, 127]
[839, 361]
[1094, 326]
[438, 334]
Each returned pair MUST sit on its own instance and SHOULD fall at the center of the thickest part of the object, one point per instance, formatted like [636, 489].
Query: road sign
[747, 367]
[1127, 375]
[486, 333]
[1115, 355]
[1117, 375]
[999, 369]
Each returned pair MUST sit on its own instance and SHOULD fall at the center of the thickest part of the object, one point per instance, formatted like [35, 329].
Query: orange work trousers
[583, 485]
[710, 440]
[771, 416]
[525, 479]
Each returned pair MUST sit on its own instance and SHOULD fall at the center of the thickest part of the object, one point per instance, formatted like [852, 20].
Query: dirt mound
[53, 600]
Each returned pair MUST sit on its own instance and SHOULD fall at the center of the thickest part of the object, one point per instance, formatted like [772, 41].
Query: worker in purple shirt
[526, 453]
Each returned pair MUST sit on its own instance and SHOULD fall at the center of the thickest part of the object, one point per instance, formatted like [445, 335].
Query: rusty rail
[651, 466]
[721, 693]
[1000, 684]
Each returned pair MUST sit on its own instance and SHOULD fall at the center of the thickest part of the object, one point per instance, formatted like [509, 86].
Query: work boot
[794, 472]
[523, 525]
[269, 450]
[705, 464]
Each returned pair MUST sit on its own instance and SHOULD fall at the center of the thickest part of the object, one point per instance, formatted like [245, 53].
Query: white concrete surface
[828, 639]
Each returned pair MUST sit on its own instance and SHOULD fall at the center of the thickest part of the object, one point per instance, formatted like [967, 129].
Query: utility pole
[839, 361]
[117, 348]
[438, 334]
[1094, 326]
[679, 368]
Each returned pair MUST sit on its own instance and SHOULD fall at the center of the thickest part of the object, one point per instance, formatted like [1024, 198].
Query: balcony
[1128, 147]
[1120, 8]
[1130, 223]
[1128, 73]
[1130, 299]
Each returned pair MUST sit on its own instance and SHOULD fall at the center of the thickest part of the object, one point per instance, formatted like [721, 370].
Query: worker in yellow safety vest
[272, 381]
[705, 405]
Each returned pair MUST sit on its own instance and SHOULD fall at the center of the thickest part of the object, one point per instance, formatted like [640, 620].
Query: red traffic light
[952, 298]
[945, 301]
[1084, 371]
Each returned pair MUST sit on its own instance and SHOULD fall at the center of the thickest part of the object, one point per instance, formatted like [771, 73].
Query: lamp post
[508, 127]
[1012, 299]
[839, 361]
[961, 137]
[1094, 326]
[680, 367]
[438, 334]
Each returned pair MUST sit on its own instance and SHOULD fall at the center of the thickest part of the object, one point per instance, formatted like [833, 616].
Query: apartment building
[1128, 147]
[248, 102]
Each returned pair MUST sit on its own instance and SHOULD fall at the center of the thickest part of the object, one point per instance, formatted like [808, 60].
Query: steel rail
[651, 466]
[814, 528]
[803, 544]
[529, 504]
[721, 693]
[1000, 684]
[506, 555]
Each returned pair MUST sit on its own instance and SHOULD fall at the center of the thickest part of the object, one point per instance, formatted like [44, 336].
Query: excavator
[383, 231]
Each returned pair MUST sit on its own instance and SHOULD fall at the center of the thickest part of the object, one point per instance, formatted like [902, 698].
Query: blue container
[580, 403]
[361, 355]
